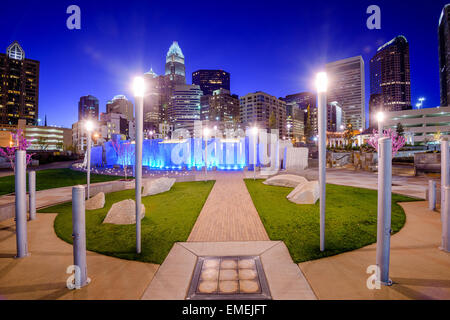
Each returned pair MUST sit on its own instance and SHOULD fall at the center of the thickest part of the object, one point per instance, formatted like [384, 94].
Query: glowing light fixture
[322, 82]
[138, 87]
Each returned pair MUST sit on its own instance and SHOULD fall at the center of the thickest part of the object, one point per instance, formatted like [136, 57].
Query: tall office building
[152, 101]
[296, 113]
[88, 108]
[19, 86]
[257, 108]
[184, 107]
[220, 106]
[211, 80]
[444, 55]
[175, 74]
[120, 104]
[390, 77]
[346, 87]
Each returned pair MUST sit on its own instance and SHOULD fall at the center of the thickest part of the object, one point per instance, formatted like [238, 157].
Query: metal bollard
[431, 195]
[384, 209]
[21, 203]
[32, 194]
[79, 236]
[445, 246]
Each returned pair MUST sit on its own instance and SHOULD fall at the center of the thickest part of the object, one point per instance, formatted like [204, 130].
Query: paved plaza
[229, 225]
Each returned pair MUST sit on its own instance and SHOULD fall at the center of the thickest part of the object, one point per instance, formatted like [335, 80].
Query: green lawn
[55, 178]
[169, 217]
[351, 219]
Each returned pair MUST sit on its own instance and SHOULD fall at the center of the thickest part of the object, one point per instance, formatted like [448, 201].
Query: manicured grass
[351, 219]
[169, 217]
[55, 178]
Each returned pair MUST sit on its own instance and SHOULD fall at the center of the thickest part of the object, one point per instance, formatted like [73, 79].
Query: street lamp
[89, 125]
[321, 85]
[255, 134]
[139, 90]
[380, 119]
[205, 137]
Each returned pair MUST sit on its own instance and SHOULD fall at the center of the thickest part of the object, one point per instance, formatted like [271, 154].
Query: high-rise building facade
[256, 109]
[390, 77]
[88, 108]
[211, 80]
[184, 107]
[152, 101]
[120, 104]
[444, 55]
[220, 106]
[175, 74]
[297, 106]
[19, 86]
[346, 87]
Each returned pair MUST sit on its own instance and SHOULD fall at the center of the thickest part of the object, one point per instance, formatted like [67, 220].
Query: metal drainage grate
[229, 278]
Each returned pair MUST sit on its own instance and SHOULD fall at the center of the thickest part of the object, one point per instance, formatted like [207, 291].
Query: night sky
[272, 46]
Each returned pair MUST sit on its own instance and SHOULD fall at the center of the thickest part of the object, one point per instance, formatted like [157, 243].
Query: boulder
[158, 186]
[96, 202]
[307, 193]
[123, 212]
[286, 180]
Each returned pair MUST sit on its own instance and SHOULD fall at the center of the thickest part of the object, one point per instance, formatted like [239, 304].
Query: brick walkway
[229, 213]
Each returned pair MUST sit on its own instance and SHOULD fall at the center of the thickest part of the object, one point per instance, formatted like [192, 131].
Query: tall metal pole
[384, 209]
[380, 128]
[445, 157]
[138, 162]
[445, 245]
[322, 119]
[254, 155]
[32, 194]
[206, 157]
[88, 164]
[79, 236]
[20, 168]
[431, 195]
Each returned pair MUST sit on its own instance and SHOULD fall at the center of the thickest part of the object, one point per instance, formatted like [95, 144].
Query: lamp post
[89, 129]
[255, 137]
[139, 90]
[205, 137]
[380, 119]
[322, 84]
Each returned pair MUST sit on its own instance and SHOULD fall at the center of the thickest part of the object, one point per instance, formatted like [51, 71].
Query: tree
[400, 130]
[308, 127]
[124, 152]
[349, 136]
[397, 141]
[273, 121]
[20, 144]
[42, 143]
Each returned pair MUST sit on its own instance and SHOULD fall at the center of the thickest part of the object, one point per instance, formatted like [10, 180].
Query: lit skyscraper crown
[175, 50]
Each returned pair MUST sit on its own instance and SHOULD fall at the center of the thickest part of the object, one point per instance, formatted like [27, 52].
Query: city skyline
[291, 53]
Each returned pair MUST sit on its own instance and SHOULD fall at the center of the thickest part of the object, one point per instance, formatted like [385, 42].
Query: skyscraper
[444, 55]
[184, 107]
[120, 104]
[211, 80]
[175, 74]
[390, 77]
[346, 87]
[297, 113]
[175, 68]
[152, 100]
[88, 108]
[258, 108]
[221, 107]
[19, 86]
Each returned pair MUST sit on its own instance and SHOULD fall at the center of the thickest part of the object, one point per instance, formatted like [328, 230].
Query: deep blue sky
[273, 46]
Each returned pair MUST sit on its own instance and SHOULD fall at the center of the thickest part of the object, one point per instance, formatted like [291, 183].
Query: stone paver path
[42, 275]
[229, 213]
